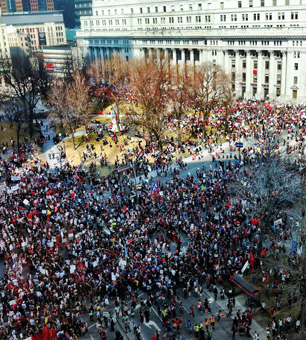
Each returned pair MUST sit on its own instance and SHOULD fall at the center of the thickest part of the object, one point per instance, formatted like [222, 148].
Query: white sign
[15, 178]
[244, 268]
[277, 222]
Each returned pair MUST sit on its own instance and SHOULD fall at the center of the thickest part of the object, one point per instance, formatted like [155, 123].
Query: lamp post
[64, 148]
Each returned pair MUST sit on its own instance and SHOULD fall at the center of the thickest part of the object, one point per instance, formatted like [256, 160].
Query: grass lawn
[7, 130]
[76, 155]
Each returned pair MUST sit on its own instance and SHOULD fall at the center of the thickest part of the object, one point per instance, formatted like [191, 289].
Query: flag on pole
[251, 259]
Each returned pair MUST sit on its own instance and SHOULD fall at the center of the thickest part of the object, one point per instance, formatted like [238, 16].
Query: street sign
[239, 145]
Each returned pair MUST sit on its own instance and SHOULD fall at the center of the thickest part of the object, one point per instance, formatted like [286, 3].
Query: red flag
[77, 177]
[251, 259]
[254, 71]
[100, 111]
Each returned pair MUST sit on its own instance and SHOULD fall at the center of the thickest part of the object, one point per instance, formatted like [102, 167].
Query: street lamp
[64, 148]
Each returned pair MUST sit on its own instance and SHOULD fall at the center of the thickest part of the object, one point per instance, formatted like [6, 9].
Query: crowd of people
[75, 245]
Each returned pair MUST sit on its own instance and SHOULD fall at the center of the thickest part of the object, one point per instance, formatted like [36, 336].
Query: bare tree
[273, 186]
[18, 116]
[209, 86]
[149, 89]
[28, 79]
[70, 103]
[115, 74]
[179, 101]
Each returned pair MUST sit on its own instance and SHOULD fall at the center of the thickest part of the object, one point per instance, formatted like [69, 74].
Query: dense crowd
[74, 244]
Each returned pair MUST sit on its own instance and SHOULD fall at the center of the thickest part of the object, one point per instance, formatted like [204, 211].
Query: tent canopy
[245, 286]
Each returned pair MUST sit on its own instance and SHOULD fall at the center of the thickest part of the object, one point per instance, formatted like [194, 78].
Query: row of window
[255, 65]
[197, 19]
[182, 7]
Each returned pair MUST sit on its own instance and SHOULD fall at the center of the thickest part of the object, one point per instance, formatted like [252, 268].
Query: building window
[162, 20]
[281, 15]
[164, 9]
[200, 7]
[245, 17]
[294, 94]
[274, 2]
[266, 79]
[147, 21]
[250, 3]
[244, 77]
[171, 20]
[295, 80]
[148, 9]
[122, 11]
[180, 19]
[256, 16]
[243, 63]
[268, 16]
[154, 20]
[267, 65]
[140, 9]
[132, 10]
[294, 15]
[207, 18]
[296, 66]
[156, 9]
[198, 18]
[233, 17]
[188, 19]
[278, 79]
[239, 4]
[262, 3]
[296, 54]
[233, 63]
[190, 7]
[221, 5]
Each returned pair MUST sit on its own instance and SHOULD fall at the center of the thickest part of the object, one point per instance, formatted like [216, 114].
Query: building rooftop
[27, 18]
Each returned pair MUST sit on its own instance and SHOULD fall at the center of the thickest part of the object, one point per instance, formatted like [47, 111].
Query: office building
[260, 43]
[43, 29]
[12, 6]
[82, 8]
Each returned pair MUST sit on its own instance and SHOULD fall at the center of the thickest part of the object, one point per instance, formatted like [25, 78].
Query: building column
[174, 56]
[272, 76]
[238, 72]
[166, 54]
[249, 73]
[284, 70]
[96, 54]
[183, 57]
[191, 53]
[201, 58]
[260, 75]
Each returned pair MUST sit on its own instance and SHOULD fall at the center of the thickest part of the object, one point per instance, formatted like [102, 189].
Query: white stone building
[260, 43]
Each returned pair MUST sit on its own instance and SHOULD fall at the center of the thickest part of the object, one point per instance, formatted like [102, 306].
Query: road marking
[157, 314]
[92, 325]
[92, 337]
[153, 323]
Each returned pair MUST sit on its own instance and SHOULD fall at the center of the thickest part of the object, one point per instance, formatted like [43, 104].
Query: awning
[123, 169]
[245, 286]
